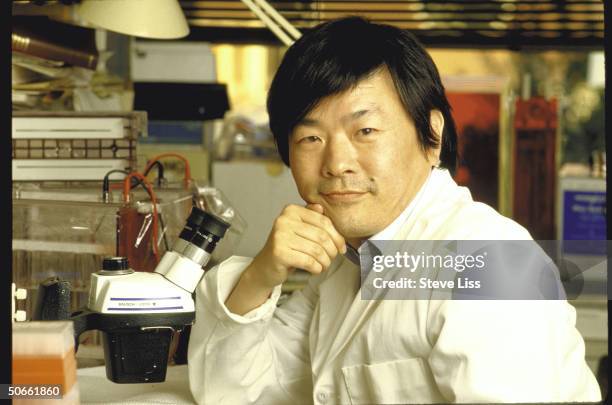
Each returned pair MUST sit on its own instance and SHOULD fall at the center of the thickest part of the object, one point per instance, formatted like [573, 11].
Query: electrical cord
[126, 197]
[131, 181]
[159, 214]
[106, 184]
[160, 171]
[187, 175]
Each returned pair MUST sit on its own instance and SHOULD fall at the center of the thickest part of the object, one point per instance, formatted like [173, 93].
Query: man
[359, 114]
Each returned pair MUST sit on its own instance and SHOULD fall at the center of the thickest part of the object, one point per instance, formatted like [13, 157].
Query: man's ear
[436, 123]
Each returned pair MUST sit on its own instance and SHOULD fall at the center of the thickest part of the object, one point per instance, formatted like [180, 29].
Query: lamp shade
[161, 19]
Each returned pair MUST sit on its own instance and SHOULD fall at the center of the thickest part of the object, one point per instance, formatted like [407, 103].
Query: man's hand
[301, 237]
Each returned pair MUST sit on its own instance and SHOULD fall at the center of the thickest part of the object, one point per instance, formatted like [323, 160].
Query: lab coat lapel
[360, 310]
[336, 297]
[345, 320]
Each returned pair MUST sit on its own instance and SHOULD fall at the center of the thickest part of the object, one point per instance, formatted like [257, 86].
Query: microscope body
[138, 312]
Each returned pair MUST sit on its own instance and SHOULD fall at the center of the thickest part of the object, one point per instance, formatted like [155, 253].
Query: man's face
[357, 154]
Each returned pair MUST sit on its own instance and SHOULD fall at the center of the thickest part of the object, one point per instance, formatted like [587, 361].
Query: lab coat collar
[439, 181]
[368, 247]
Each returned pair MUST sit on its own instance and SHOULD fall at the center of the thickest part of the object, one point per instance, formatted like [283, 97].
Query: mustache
[346, 184]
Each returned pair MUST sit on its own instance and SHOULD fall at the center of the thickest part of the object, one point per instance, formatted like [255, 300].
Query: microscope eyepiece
[212, 224]
[202, 230]
[205, 223]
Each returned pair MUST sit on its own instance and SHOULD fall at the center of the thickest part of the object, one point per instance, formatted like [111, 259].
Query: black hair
[334, 56]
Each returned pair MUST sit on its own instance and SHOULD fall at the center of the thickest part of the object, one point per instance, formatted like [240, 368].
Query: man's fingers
[321, 221]
[312, 249]
[319, 236]
[301, 260]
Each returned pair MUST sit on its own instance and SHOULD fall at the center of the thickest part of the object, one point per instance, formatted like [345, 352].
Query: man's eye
[366, 131]
[309, 139]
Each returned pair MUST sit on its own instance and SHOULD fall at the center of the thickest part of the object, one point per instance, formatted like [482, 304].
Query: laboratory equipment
[138, 312]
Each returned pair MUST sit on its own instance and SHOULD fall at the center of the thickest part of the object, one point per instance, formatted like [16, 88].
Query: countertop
[95, 388]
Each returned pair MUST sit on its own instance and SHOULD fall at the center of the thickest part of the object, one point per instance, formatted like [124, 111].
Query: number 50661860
[32, 391]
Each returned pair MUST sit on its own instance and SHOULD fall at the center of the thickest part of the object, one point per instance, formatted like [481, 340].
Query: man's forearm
[248, 293]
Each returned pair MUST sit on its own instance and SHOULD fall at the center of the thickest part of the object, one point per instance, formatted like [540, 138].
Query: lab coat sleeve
[261, 357]
[509, 351]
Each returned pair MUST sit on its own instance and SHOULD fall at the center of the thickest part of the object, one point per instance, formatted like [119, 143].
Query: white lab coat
[326, 345]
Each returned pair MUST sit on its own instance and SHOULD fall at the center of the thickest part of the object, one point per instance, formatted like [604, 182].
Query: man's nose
[340, 157]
